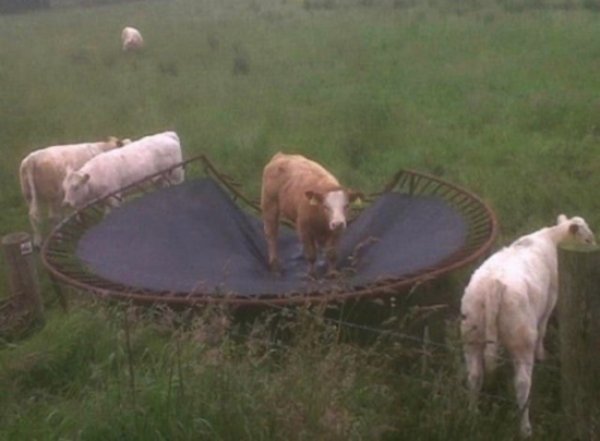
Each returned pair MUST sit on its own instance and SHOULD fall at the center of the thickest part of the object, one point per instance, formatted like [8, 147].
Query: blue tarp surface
[193, 238]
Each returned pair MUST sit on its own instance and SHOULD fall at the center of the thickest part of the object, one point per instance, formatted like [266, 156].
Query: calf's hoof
[275, 267]
[333, 274]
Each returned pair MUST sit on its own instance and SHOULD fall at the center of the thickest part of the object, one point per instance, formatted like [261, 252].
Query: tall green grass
[122, 373]
[501, 97]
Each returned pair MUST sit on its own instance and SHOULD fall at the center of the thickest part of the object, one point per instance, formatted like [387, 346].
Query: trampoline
[202, 241]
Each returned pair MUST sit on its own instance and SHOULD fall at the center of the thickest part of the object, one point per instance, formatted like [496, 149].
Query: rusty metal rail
[59, 257]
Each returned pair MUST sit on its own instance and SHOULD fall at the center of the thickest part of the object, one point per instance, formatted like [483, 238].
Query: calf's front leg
[271, 227]
[310, 252]
[331, 256]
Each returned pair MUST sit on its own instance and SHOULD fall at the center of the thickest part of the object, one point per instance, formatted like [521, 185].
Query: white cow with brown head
[42, 172]
[305, 193]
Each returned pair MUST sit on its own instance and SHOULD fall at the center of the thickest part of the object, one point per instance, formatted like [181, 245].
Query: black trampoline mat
[194, 239]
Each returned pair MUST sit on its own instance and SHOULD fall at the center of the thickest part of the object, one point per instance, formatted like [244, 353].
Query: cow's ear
[313, 197]
[85, 178]
[561, 218]
[355, 196]
[573, 229]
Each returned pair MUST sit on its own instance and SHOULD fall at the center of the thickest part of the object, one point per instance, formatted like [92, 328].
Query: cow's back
[286, 178]
[133, 162]
[48, 167]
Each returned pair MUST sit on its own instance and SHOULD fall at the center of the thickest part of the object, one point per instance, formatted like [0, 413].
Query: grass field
[498, 96]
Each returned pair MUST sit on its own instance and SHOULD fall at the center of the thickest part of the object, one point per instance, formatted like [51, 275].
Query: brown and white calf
[305, 193]
[42, 173]
[509, 300]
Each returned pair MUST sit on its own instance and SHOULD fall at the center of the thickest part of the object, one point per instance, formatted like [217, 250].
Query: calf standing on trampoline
[307, 194]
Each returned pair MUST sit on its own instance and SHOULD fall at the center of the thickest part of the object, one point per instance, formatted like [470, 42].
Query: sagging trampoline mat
[193, 238]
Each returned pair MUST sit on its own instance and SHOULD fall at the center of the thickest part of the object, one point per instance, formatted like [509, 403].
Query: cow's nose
[337, 225]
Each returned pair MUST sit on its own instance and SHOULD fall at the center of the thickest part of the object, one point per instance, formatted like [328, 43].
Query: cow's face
[579, 231]
[76, 188]
[334, 205]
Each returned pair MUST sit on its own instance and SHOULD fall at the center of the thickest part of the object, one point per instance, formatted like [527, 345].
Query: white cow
[131, 39]
[111, 171]
[42, 173]
[509, 300]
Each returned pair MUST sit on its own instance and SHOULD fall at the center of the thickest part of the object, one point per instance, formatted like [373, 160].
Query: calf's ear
[561, 218]
[573, 229]
[314, 198]
[355, 196]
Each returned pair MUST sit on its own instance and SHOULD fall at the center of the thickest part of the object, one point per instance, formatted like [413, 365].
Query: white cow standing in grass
[509, 300]
[131, 39]
[42, 173]
[111, 171]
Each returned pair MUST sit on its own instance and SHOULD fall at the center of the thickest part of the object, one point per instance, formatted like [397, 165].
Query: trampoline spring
[70, 236]
[457, 198]
[74, 230]
[470, 209]
[480, 227]
[425, 186]
[55, 252]
[395, 182]
[465, 204]
[445, 190]
[437, 188]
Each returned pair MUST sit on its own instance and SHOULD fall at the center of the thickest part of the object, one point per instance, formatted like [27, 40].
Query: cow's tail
[27, 182]
[493, 301]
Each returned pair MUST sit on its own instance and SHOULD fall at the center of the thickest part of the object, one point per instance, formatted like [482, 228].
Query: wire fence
[426, 344]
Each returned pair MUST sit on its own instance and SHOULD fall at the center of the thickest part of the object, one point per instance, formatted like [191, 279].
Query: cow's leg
[35, 220]
[540, 352]
[54, 213]
[520, 340]
[474, 360]
[310, 252]
[270, 217]
[331, 256]
[523, 365]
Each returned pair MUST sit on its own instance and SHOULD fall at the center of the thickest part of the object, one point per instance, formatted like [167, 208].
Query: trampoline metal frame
[58, 251]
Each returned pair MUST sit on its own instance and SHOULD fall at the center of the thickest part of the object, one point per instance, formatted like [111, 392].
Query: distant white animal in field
[42, 173]
[305, 193]
[131, 39]
[113, 170]
[509, 300]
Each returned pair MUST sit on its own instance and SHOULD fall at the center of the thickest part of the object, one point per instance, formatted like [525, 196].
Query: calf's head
[334, 204]
[76, 189]
[578, 229]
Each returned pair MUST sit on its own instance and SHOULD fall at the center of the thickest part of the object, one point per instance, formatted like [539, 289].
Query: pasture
[501, 97]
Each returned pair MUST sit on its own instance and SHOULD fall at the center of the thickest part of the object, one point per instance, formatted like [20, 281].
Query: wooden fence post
[22, 273]
[579, 321]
